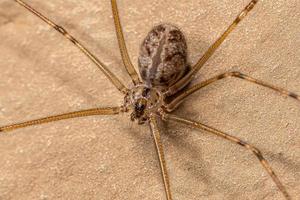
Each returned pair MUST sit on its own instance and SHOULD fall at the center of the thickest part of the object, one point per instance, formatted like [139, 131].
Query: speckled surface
[111, 158]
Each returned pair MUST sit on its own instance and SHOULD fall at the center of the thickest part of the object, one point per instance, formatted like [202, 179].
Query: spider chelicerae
[162, 85]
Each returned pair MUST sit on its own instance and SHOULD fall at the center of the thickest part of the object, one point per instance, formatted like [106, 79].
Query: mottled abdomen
[163, 56]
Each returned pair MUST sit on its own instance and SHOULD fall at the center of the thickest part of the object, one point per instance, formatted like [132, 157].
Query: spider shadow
[198, 168]
[96, 46]
[66, 78]
[7, 17]
[291, 165]
[192, 162]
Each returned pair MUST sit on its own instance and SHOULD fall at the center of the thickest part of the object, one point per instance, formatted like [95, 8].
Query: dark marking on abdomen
[163, 56]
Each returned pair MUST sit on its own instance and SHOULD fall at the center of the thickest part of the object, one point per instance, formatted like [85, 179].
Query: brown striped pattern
[163, 56]
[236, 140]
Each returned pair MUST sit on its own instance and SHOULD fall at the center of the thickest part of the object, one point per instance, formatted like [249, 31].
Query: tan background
[110, 157]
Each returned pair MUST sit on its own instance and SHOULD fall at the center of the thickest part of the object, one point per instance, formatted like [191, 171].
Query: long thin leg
[82, 113]
[119, 85]
[122, 46]
[161, 156]
[181, 97]
[187, 78]
[238, 141]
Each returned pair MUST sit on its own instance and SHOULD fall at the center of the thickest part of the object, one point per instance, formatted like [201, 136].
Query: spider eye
[140, 106]
[145, 92]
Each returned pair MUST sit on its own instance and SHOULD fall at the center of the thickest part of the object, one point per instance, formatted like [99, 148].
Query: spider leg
[122, 46]
[189, 76]
[81, 113]
[238, 141]
[118, 84]
[161, 156]
[173, 104]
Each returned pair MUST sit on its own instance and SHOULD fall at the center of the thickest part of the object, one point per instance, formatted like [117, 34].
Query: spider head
[142, 101]
[139, 111]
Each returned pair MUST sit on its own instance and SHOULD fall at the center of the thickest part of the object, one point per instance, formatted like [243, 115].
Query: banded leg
[82, 113]
[118, 84]
[238, 141]
[161, 156]
[188, 77]
[181, 97]
[122, 46]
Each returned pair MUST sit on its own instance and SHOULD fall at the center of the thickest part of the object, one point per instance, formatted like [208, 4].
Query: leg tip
[293, 95]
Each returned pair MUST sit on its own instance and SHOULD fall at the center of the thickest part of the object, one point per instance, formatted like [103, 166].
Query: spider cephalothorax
[142, 101]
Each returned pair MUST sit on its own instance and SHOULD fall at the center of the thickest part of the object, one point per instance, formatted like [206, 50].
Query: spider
[155, 93]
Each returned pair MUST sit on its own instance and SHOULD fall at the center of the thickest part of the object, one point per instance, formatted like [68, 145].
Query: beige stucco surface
[110, 157]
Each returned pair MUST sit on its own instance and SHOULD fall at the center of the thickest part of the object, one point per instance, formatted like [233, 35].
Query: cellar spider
[154, 95]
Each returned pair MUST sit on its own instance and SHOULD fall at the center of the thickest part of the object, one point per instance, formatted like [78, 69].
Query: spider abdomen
[163, 56]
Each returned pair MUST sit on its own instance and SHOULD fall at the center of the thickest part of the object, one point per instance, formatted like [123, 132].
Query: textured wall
[110, 157]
